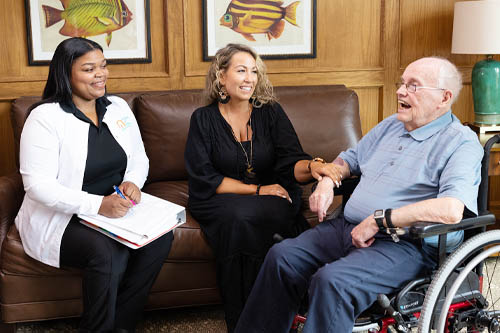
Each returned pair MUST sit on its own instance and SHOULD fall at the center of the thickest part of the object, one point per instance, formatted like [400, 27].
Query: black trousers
[116, 279]
[240, 230]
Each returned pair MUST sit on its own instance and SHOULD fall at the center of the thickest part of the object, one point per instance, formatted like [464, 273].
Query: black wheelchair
[460, 295]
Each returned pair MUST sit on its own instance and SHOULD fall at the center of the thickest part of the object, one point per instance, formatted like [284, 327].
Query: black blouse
[106, 159]
[212, 152]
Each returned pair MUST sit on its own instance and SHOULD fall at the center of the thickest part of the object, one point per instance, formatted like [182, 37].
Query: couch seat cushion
[16, 261]
[189, 241]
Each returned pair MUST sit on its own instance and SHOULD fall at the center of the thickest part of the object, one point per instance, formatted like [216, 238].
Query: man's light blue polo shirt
[397, 167]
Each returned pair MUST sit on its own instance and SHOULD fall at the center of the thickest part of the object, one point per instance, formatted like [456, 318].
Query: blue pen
[117, 190]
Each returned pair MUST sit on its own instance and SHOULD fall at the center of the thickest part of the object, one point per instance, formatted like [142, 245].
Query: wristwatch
[316, 159]
[391, 228]
[378, 215]
[388, 219]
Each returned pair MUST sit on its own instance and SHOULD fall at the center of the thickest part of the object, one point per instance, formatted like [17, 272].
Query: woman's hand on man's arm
[305, 170]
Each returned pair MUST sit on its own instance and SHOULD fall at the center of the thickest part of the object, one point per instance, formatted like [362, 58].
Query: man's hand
[131, 191]
[320, 170]
[114, 206]
[322, 198]
[362, 234]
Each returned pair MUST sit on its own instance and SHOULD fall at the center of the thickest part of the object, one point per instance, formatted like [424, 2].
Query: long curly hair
[263, 90]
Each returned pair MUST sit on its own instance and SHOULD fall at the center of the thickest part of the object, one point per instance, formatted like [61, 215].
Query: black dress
[239, 228]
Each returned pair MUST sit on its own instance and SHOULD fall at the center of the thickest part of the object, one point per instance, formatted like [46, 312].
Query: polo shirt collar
[100, 104]
[428, 130]
[70, 107]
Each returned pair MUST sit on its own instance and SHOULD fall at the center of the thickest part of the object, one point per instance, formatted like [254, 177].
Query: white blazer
[53, 154]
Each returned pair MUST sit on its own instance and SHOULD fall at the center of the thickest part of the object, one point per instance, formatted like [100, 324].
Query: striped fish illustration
[249, 17]
[85, 18]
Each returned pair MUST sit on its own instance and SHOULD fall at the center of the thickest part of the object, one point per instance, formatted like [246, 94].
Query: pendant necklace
[249, 174]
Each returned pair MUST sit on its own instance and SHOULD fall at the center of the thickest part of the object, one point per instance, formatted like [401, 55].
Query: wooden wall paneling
[463, 108]
[147, 76]
[369, 103]
[341, 45]
[494, 199]
[175, 34]
[17, 78]
[193, 39]
[391, 51]
[7, 156]
[426, 29]
[14, 56]
[348, 33]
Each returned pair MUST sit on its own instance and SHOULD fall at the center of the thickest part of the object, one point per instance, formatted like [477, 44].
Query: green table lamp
[476, 30]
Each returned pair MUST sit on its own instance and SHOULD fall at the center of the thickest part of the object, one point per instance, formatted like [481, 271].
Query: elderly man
[420, 164]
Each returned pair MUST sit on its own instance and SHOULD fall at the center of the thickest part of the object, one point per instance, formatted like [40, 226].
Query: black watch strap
[388, 219]
[379, 218]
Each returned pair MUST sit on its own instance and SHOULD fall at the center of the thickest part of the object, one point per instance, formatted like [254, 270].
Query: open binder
[145, 222]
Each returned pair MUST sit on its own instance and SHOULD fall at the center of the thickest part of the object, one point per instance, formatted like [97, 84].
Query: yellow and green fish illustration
[259, 17]
[85, 18]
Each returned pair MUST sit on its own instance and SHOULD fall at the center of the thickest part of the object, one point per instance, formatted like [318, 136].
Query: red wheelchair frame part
[388, 321]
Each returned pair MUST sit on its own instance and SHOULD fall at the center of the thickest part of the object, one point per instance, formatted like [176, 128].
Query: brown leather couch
[326, 119]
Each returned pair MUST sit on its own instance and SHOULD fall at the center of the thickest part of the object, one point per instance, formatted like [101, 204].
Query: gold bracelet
[316, 159]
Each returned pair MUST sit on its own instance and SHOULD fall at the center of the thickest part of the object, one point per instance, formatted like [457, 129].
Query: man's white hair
[449, 77]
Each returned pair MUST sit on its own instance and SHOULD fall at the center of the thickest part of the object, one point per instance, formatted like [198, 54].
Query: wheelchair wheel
[468, 300]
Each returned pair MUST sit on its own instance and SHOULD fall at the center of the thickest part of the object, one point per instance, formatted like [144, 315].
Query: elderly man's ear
[446, 97]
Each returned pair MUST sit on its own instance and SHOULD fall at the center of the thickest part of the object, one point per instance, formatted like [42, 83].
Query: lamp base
[481, 129]
[487, 119]
[486, 91]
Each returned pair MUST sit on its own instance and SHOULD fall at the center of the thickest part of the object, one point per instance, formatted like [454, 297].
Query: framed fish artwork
[121, 27]
[276, 29]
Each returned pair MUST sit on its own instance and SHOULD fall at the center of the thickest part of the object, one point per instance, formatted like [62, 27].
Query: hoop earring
[223, 97]
[255, 102]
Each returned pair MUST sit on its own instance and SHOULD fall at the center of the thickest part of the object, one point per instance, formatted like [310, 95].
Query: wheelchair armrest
[426, 229]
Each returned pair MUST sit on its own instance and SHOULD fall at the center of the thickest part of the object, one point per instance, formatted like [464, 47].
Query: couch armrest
[11, 197]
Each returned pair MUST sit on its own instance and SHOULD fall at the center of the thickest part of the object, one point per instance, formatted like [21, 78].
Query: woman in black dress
[244, 160]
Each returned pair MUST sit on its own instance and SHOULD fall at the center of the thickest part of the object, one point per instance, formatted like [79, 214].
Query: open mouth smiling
[403, 104]
[99, 84]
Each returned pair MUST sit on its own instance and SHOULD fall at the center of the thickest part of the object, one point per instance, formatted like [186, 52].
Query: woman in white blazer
[75, 145]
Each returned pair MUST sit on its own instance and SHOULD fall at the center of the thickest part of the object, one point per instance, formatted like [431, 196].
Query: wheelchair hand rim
[461, 277]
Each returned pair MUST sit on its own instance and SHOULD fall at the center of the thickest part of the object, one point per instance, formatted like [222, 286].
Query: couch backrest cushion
[21, 105]
[18, 115]
[164, 122]
[326, 118]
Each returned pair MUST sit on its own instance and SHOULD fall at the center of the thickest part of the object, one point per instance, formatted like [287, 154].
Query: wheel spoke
[464, 261]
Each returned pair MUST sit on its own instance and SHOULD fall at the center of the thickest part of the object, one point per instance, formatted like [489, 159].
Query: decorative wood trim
[391, 48]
